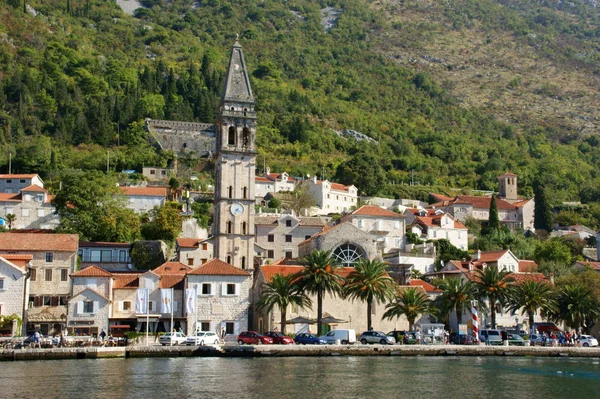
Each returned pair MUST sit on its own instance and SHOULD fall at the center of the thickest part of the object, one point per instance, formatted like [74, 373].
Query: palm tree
[492, 284]
[368, 281]
[319, 277]
[411, 303]
[10, 218]
[532, 296]
[281, 291]
[576, 306]
[457, 295]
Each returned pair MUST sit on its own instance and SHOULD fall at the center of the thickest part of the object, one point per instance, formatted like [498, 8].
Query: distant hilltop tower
[508, 187]
[233, 226]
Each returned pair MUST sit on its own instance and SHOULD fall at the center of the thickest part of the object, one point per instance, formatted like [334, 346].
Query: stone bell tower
[233, 225]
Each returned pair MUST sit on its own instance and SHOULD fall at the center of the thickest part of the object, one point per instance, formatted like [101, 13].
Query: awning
[119, 326]
[301, 320]
[329, 319]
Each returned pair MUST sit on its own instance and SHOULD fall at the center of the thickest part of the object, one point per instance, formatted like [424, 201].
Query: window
[229, 327]
[203, 260]
[49, 257]
[206, 289]
[205, 247]
[150, 306]
[205, 326]
[245, 193]
[9, 181]
[231, 137]
[288, 238]
[229, 259]
[62, 300]
[347, 254]
[288, 223]
[307, 237]
[39, 198]
[123, 255]
[22, 181]
[243, 263]
[41, 213]
[48, 274]
[288, 254]
[230, 289]
[245, 137]
[244, 226]
[46, 300]
[271, 238]
[190, 261]
[2, 284]
[64, 273]
[126, 305]
[163, 172]
[32, 274]
[88, 307]
[152, 171]
[229, 227]
[101, 255]
[270, 254]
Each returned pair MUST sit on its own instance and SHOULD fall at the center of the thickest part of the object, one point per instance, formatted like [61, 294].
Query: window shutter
[120, 306]
[236, 328]
[80, 307]
[237, 289]
[224, 289]
[213, 288]
[175, 306]
[95, 310]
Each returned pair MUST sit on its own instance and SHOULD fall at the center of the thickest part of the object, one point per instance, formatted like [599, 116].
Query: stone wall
[11, 297]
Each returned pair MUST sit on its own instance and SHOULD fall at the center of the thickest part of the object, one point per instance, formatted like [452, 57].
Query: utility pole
[10, 163]
[107, 161]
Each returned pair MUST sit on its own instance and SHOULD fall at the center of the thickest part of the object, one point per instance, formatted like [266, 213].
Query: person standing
[102, 335]
[504, 336]
[36, 339]
[418, 337]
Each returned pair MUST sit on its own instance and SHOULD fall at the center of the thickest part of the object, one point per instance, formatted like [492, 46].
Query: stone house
[353, 314]
[14, 288]
[435, 224]
[144, 199]
[158, 174]
[280, 235]
[123, 312]
[91, 301]
[331, 197]
[223, 298]
[273, 183]
[110, 256]
[386, 227]
[14, 183]
[54, 257]
[194, 252]
[31, 205]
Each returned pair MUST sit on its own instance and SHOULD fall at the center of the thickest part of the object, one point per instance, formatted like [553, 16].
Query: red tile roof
[339, 187]
[10, 197]
[507, 174]
[188, 242]
[216, 267]
[92, 271]
[171, 281]
[172, 268]
[278, 176]
[39, 242]
[491, 256]
[593, 265]
[440, 197]
[520, 277]
[527, 266]
[269, 271]
[426, 286]
[19, 260]
[371, 210]
[145, 191]
[21, 176]
[126, 280]
[262, 179]
[34, 188]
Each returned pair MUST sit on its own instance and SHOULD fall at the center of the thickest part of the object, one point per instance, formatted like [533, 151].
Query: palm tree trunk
[369, 316]
[283, 319]
[458, 315]
[319, 311]
[493, 312]
[531, 321]
[410, 324]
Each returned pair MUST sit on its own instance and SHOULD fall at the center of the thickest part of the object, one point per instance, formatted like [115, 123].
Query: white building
[144, 199]
[223, 300]
[90, 303]
[25, 197]
[14, 288]
[435, 224]
[14, 183]
[273, 183]
[386, 227]
[194, 251]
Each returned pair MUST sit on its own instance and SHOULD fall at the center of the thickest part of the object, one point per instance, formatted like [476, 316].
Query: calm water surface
[303, 377]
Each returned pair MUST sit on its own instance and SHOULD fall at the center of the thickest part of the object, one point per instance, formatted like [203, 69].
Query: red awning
[120, 326]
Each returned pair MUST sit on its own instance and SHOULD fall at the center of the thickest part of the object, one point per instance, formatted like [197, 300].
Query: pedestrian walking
[102, 335]
[36, 339]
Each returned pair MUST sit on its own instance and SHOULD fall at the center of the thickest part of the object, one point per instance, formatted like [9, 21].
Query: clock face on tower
[236, 209]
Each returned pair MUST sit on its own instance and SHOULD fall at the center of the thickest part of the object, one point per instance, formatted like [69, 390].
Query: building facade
[386, 227]
[90, 302]
[331, 197]
[110, 256]
[14, 288]
[144, 199]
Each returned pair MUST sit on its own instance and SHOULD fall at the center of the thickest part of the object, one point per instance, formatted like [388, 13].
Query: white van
[344, 336]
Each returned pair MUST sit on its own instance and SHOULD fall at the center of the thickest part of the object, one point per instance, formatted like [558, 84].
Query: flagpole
[195, 309]
[171, 303]
[147, 314]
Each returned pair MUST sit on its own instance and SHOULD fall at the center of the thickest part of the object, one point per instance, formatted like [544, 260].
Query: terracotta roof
[34, 188]
[171, 268]
[188, 242]
[12, 197]
[261, 179]
[145, 191]
[325, 230]
[339, 187]
[101, 244]
[522, 203]
[593, 265]
[507, 174]
[269, 271]
[440, 197]
[372, 210]
[126, 280]
[171, 281]
[92, 271]
[527, 266]
[426, 286]
[520, 277]
[216, 267]
[12, 257]
[483, 202]
[21, 176]
[38, 242]
[401, 288]
[491, 256]
[278, 176]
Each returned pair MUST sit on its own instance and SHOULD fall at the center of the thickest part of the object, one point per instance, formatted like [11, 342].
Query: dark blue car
[309, 339]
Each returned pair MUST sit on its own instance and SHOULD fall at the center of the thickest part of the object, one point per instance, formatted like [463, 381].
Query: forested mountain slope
[77, 76]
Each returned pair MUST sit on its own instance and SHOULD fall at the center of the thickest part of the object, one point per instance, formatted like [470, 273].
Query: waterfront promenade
[234, 350]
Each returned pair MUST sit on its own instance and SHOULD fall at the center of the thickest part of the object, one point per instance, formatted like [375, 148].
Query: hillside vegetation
[454, 92]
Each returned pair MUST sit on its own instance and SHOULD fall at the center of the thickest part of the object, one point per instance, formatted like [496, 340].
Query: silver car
[376, 337]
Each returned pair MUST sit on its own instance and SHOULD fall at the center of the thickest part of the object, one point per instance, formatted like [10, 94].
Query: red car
[253, 338]
[279, 338]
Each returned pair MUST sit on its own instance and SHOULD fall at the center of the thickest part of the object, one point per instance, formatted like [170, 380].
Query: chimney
[470, 266]
[267, 171]
[477, 255]
[314, 179]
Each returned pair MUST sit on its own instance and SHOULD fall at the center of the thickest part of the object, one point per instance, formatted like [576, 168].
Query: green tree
[531, 296]
[300, 200]
[165, 223]
[554, 250]
[493, 220]
[10, 218]
[576, 307]
[446, 251]
[364, 170]
[457, 295]
[369, 281]
[282, 291]
[410, 303]
[319, 276]
[492, 284]
[542, 217]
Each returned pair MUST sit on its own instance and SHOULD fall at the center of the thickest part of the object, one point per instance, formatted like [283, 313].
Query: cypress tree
[542, 217]
[493, 220]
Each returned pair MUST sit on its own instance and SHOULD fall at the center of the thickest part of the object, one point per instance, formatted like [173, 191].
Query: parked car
[588, 340]
[409, 338]
[460, 339]
[203, 338]
[309, 339]
[515, 339]
[279, 338]
[490, 337]
[344, 336]
[376, 337]
[253, 338]
[172, 338]
[537, 340]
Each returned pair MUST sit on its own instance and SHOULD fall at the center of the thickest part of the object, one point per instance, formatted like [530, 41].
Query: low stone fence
[234, 350]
